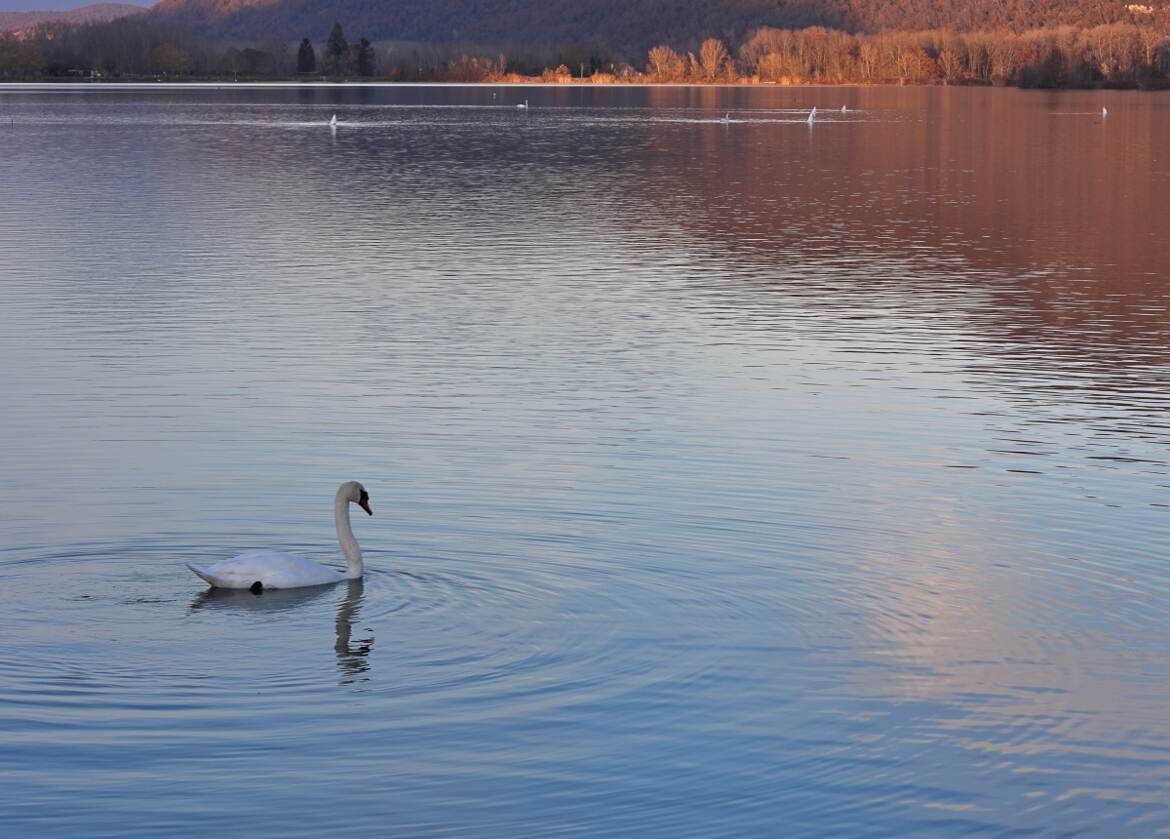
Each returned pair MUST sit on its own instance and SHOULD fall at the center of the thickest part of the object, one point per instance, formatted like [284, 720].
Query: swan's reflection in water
[272, 600]
[352, 655]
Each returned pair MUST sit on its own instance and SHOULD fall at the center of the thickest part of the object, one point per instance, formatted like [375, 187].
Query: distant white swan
[333, 121]
[273, 569]
[523, 107]
[1104, 112]
[812, 115]
[725, 119]
[844, 109]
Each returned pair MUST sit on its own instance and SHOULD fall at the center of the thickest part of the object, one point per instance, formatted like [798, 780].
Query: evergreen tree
[306, 58]
[365, 58]
[336, 52]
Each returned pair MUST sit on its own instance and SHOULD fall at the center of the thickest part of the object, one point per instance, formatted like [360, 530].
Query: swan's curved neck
[349, 545]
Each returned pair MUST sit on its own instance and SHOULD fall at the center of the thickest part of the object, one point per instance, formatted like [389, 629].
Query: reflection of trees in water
[968, 169]
[352, 656]
[1041, 226]
[1016, 243]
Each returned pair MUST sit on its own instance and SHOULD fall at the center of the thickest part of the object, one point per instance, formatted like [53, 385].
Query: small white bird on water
[523, 107]
[1104, 112]
[274, 569]
[333, 121]
[725, 119]
[844, 109]
[812, 115]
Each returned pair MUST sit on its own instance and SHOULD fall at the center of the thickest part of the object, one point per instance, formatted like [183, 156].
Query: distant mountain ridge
[623, 24]
[94, 13]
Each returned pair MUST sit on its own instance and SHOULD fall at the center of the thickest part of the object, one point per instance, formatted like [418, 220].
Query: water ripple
[725, 476]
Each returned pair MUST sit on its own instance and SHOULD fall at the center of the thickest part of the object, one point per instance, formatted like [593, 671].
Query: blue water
[749, 479]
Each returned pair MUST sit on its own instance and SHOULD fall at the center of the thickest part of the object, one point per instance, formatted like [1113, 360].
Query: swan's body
[812, 115]
[271, 569]
[274, 569]
[726, 119]
[523, 107]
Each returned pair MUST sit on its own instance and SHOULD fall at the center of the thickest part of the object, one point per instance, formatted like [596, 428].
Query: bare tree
[952, 59]
[713, 59]
[869, 61]
[665, 64]
[1005, 59]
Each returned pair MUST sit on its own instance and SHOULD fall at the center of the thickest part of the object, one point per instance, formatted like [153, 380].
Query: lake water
[752, 478]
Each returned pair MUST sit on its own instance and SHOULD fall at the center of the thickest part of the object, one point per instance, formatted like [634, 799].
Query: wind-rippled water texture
[729, 478]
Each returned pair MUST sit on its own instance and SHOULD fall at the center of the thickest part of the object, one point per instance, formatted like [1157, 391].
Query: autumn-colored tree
[773, 67]
[1117, 49]
[813, 54]
[978, 57]
[1155, 50]
[952, 60]
[470, 69]
[827, 54]
[1130, 51]
[561, 74]
[665, 65]
[771, 53]
[868, 61]
[1004, 59]
[169, 60]
[714, 61]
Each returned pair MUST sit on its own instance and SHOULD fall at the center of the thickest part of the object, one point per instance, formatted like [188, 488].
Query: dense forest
[630, 27]
[1133, 51]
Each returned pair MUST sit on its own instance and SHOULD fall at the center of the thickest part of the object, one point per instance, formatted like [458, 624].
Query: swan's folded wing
[272, 569]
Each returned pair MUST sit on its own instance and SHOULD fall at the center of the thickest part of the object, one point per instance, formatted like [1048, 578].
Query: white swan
[523, 107]
[1104, 112]
[333, 122]
[726, 119]
[844, 109]
[273, 569]
[812, 115]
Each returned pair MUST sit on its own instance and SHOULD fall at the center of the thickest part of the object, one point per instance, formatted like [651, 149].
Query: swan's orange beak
[365, 505]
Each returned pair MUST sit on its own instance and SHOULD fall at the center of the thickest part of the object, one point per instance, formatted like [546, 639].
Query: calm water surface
[746, 478]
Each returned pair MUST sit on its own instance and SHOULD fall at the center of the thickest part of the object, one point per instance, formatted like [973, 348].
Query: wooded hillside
[96, 12]
[629, 27]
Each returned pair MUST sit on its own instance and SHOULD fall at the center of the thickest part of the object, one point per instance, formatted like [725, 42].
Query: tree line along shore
[1118, 55]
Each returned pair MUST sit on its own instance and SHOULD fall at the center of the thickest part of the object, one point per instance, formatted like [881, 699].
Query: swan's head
[355, 493]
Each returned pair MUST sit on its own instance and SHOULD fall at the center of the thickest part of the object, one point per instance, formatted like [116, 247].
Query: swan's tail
[199, 572]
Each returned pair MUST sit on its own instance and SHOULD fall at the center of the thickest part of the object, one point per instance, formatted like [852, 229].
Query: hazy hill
[622, 24]
[95, 13]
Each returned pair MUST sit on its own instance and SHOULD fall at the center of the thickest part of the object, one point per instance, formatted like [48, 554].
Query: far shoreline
[211, 84]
